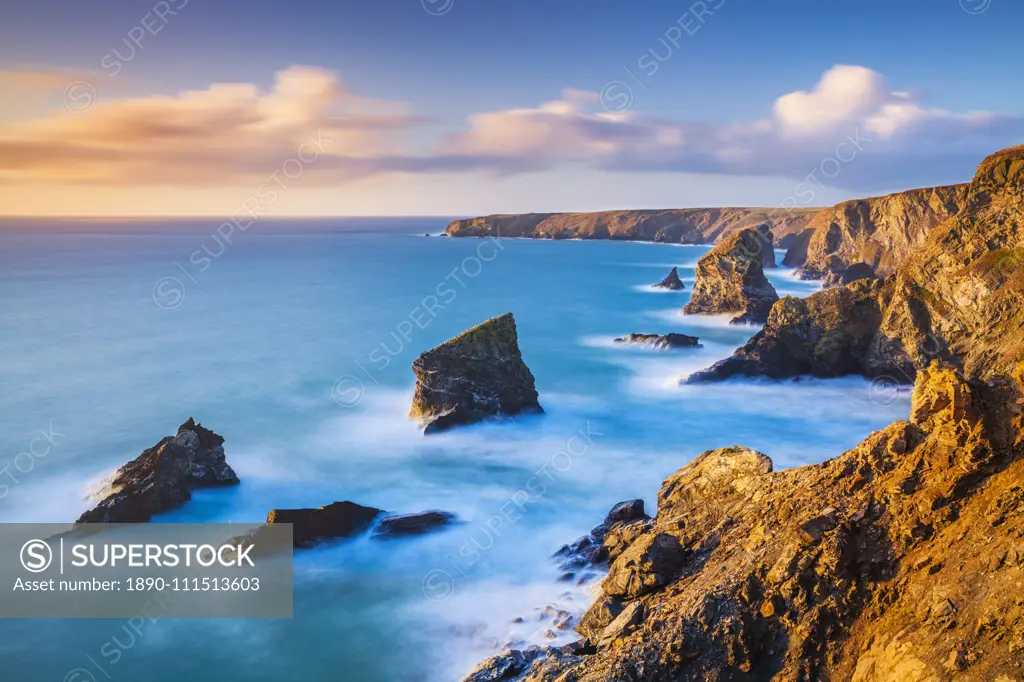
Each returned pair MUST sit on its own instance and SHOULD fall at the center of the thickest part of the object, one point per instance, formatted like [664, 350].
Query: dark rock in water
[426, 234]
[505, 666]
[672, 281]
[337, 520]
[730, 279]
[478, 374]
[663, 341]
[624, 523]
[842, 277]
[828, 334]
[163, 477]
[401, 525]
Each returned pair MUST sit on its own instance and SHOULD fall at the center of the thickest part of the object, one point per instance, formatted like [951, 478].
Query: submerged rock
[334, 521]
[400, 525]
[476, 375]
[663, 341]
[163, 477]
[730, 279]
[504, 666]
[672, 281]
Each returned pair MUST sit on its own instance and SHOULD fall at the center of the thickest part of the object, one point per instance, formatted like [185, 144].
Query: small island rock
[476, 375]
[163, 477]
[337, 520]
[671, 282]
[730, 279]
[664, 341]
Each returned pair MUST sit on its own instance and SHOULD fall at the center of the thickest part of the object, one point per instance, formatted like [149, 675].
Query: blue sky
[447, 60]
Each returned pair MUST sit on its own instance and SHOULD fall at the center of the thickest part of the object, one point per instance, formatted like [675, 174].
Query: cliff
[897, 561]
[879, 232]
[959, 297]
[674, 226]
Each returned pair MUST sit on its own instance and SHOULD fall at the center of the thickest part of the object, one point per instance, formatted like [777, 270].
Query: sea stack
[730, 279]
[163, 477]
[671, 282]
[476, 375]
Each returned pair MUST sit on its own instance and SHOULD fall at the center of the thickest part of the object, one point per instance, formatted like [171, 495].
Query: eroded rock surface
[163, 477]
[730, 279]
[901, 559]
[478, 374]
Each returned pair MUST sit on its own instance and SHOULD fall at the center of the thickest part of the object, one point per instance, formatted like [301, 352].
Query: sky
[466, 107]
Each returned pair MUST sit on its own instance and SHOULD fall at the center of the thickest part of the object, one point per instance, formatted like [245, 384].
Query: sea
[294, 340]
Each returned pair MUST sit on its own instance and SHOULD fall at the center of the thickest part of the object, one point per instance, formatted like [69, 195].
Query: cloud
[850, 129]
[227, 133]
[849, 115]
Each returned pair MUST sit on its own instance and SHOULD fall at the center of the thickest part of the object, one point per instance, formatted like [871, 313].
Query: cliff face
[959, 297]
[898, 561]
[879, 232]
[674, 226]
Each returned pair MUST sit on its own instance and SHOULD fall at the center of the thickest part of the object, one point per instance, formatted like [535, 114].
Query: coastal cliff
[879, 232]
[672, 226]
[899, 560]
[959, 298]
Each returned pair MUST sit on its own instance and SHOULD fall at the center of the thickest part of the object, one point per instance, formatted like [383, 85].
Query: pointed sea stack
[163, 477]
[730, 279]
[478, 374]
[671, 282]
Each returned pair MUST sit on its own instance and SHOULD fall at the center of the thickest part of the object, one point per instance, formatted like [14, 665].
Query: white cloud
[234, 132]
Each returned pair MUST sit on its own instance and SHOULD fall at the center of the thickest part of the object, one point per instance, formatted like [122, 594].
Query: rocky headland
[730, 279]
[662, 341]
[671, 282]
[476, 375]
[163, 477]
[671, 226]
[900, 560]
[959, 298]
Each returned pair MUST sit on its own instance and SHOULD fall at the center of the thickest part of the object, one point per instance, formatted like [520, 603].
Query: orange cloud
[227, 133]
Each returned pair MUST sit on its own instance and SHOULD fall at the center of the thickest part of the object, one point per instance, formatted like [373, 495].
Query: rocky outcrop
[958, 298]
[478, 374]
[877, 233]
[340, 520]
[163, 477]
[671, 282]
[331, 522]
[664, 341]
[730, 279]
[673, 226]
[900, 559]
[404, 525]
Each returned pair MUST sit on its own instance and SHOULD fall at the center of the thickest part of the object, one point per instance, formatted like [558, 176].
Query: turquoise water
[295, 343]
